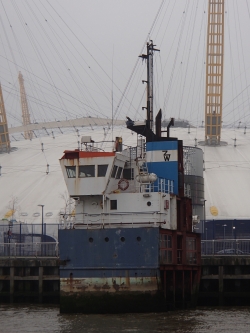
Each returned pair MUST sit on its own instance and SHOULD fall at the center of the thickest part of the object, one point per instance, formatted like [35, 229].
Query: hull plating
[113, 270]
[109, 285]
[111, 295]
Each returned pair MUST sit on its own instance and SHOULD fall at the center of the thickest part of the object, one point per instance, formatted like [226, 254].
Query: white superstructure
[24, 173]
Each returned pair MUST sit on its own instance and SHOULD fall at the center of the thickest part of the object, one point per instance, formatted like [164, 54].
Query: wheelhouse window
[113, 204]
[71, 171]
[102, 170]
[118, 174]
[128, 173]
[114, 171]
[86, 171]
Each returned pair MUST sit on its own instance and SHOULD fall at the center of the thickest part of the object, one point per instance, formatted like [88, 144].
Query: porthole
[36, 214]
[149, 203]
[138, 239]
[122, 239]
[24, 214]
[106, 239]
[49, 214]
[91, 240]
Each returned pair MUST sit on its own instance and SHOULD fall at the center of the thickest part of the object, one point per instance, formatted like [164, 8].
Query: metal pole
[204, 215]
[42, 223]
[206, 242]
[224, 226]
[42, 229]
[234, 235]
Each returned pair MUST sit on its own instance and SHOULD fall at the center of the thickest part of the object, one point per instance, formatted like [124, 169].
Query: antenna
[112, 98]
[149, 58]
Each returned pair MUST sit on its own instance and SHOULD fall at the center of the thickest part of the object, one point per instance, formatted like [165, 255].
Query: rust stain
[110, 285]
[106, 286]
[97, 288]
[71, 282]
[116, 286]
[127, 278]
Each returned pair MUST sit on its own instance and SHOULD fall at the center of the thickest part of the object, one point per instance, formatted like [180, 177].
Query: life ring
[123, 184]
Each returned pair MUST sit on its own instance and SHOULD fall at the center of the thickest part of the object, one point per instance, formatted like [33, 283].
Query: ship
[132, 245]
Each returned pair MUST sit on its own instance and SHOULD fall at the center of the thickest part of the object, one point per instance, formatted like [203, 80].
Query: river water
[36, 319]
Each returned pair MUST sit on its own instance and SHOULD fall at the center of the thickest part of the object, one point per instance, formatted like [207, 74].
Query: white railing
[225, 247]
[160, 185]
[42, 249]
[121, 219]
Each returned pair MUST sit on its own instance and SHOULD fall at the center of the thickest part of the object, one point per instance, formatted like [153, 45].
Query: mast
[150, 65]
[214, 72]
[4, 131]
[24, 106]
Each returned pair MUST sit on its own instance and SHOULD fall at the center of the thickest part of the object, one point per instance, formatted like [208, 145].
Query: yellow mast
[214, 72]
[4, 131]
[24, 106]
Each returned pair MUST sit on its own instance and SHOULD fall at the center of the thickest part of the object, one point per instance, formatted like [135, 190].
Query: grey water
[36, 319]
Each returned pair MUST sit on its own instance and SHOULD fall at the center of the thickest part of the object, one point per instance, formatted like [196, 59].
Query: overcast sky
[74, 55]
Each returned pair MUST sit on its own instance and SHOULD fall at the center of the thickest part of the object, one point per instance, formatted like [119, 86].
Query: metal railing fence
[16, 232]
[40, 249]
[225, 247]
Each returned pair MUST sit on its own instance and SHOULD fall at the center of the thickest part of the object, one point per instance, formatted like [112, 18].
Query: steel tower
[4, 131]
[24, 106]
[214, 72]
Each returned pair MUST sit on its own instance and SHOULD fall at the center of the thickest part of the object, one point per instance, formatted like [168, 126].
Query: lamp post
[234, 231]
[224, 233]
[206, 241]
[204, 212]
[42, 223]
[234, 235]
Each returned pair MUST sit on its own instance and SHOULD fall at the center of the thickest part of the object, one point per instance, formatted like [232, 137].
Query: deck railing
[225, 247]
[160, 185]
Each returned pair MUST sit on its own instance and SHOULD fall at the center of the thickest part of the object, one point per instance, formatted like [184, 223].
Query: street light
[204, 212]
[234, 231]
[234, 234]
[42, 220]
[224, 226]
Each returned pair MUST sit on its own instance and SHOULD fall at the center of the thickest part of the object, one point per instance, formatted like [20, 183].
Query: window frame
[69, 170]
[102, 165]
[91, 174]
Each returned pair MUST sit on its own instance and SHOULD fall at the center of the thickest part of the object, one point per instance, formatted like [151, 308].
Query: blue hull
[110, 270]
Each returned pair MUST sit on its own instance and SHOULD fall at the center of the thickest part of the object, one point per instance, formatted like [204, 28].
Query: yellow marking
[9, 213]
[214, 210]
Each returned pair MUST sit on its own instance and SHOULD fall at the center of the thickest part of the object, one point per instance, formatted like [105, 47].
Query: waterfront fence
[41, 249]
[225, 247]
[16, 232]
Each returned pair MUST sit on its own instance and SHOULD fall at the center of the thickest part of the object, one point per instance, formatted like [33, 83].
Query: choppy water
[26, 319]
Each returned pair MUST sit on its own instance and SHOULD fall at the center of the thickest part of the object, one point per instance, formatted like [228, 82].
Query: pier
[225, 276]
[30, 273]
[225, 280]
